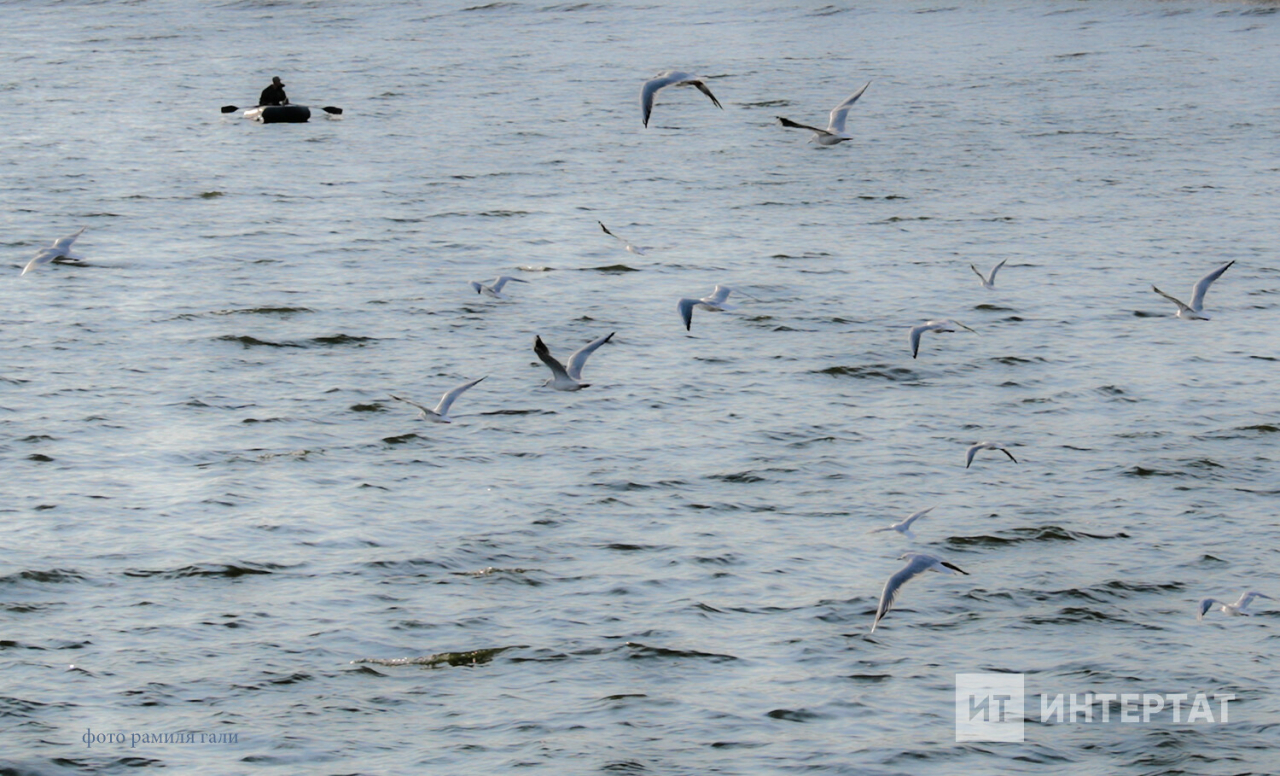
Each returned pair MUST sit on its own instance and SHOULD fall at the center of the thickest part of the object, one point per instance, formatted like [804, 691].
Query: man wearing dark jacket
[274, 94]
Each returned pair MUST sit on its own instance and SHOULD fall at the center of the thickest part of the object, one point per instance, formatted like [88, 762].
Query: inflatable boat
[278, 114]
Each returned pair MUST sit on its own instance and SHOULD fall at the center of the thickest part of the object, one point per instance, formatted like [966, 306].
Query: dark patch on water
[52, 576]
[342, 339]
[1048, 533]
[40, 458]
[793, 715]
[475, 657]
[642, 652]
[374, 407]
[254, 342]
[611, 269]
[746, 476]
[226, 571]
[400, 440]
[870, 372]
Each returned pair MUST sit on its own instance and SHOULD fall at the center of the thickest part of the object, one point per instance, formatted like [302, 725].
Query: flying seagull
[494, 287]
[834, 133]
[669, 78]
[917, 564]
[904, 527]
[1236, 609]
[973, 450]
[1194, 311]
[567, 378]
[636, 249]
[714, 303]
[988, 281]
[61, 249]
[441, 413]
[939, 326]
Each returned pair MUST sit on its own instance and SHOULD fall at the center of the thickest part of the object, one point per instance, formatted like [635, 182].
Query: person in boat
[274, 94]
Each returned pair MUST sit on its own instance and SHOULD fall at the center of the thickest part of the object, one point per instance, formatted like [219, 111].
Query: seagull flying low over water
[834, 133]
[663, 80]
[494, 287]
[441, 413]
[973, 450]
[988, 281]
[939, 326]
[1194, 311]
[917, 564]
[61, 249]
[1236, 609]
[714, 303]
[567, 378]
[904, 527]
[636, 249]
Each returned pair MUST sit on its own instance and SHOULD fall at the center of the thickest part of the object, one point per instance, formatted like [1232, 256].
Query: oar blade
[229, 109]
[332, 110]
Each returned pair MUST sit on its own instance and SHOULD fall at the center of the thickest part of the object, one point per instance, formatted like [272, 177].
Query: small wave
[229, 571]
[611, 269]
[1048, 533]
[474, 657]
[871, 372]
[642, 652]
[52, 576]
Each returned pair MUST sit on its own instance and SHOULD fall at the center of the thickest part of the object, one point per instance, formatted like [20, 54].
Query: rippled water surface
[218, 523]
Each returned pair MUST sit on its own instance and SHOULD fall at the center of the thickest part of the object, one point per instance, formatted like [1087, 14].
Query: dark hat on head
[277, 81]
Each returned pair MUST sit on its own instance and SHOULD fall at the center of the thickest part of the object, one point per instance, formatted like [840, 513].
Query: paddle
[326, 109]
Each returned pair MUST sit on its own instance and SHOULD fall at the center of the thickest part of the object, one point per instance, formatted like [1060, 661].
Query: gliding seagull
[904, 527]
[973, 450]
[636, 249]
[567, 378]
[494, 287]
[1194, 310]
[988, 281]
[669, 78]
[441, 413]
[714, 303]
[1236, 609]
[917, 564]
[61, 249]
[834, 133]
[939, 326]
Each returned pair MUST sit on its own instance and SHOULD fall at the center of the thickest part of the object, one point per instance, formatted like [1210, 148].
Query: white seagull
[567, 378]
[834, 133]
[904, 527]
[494, 287]
[663, 80]
[441, 413]
[714, 303]
[988, 281]
[1236, 609]
[917, 564]
[636, 249]
[938, 326]
[973, 450]
[61, 249]
[1194, 311]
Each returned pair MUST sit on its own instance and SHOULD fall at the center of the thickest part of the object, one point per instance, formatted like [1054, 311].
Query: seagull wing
[502, 281]
[413, 403]
[906, 524]
[718, 295]
[703, 88]
[63, 244]
[916, 566]
[685, 306]
[994, 270]
[1181, 307]
[579, 358]
[651, 88]
[796, 125]
[978, 272]
[916, 331]
[968, 457]
[1006, 452]
[835, 124]
[44, 256]
[1247, 598]
[1202, 286]
[544, 355]
[1204, 606]
[961, 325]
[446, 401]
